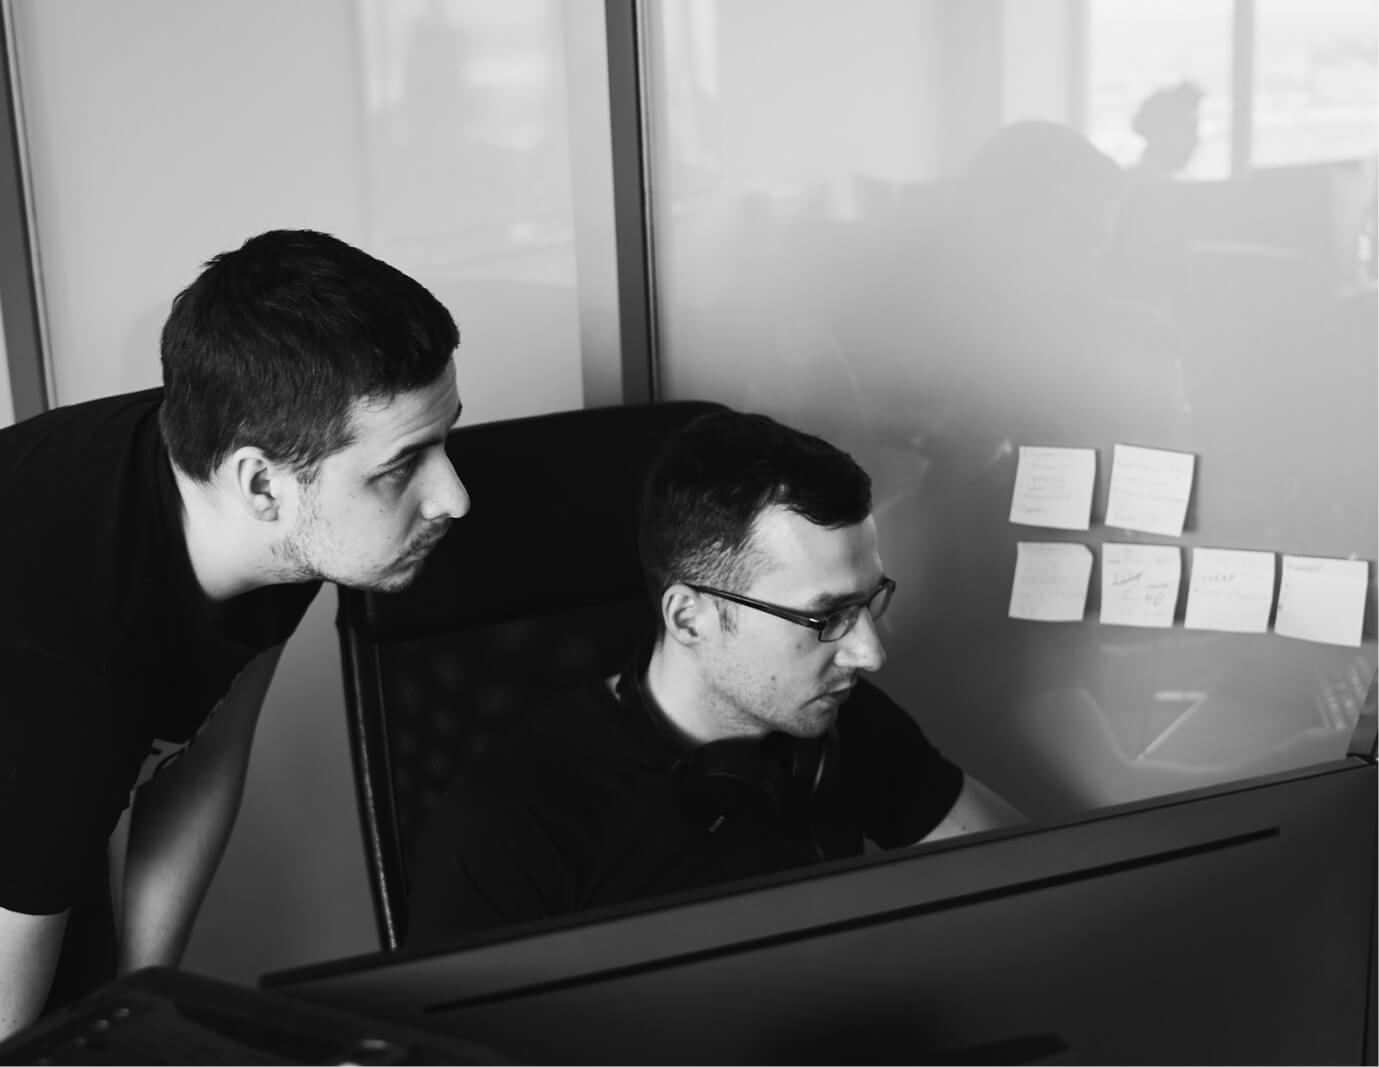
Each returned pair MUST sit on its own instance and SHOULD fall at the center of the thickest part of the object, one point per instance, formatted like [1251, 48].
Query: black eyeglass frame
[818, 623]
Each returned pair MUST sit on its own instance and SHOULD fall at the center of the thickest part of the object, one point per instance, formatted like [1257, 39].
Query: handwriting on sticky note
[1322, 599]
[1053, 487]
[1050, 581]
[1149, 490]
[1139, 584]
[1230, 589]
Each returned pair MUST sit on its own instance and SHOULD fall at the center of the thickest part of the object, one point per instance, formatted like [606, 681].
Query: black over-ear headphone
[777, 775]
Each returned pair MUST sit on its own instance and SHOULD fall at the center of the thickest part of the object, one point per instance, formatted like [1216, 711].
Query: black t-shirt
[584, 805]
[112, 657]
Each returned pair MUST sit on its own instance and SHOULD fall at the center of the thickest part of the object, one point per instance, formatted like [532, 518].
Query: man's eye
[402, 471]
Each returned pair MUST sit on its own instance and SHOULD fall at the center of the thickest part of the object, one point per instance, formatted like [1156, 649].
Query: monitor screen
[1230, 924]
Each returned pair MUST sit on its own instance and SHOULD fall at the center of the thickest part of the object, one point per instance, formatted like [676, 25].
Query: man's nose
[447, 497]
[861, 648]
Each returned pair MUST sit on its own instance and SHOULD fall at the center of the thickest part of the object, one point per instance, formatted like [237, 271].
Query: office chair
[535, 590]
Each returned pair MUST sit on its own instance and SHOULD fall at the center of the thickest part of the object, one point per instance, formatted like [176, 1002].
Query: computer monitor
[1226, 925]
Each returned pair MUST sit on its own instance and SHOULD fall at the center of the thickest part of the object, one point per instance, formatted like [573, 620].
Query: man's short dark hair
[714, 478]
[274, 342]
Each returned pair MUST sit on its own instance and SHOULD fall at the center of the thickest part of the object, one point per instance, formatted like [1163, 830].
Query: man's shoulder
[87, 481]
[87, 415]
[77, 449]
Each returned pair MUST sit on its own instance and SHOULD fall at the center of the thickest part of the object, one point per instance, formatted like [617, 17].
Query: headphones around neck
[777, 775]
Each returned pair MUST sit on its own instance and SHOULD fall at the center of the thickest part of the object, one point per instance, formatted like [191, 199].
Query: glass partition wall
[1118, 407]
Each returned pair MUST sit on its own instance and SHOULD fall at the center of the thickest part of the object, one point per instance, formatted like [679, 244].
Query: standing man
[743, 739]
[160, 547]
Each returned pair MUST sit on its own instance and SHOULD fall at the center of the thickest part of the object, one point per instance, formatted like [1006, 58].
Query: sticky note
[1053, 487]
[1139, 584]
[1322, 599]
[1230, 589]
[1149, 490]
[1050, 581]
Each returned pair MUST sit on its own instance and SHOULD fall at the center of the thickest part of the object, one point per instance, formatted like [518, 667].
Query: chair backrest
[536, 589]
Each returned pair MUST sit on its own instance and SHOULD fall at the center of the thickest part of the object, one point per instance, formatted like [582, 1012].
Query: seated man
[741, 740]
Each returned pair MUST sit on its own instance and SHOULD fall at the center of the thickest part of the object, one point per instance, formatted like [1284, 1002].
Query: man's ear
[257, 483]
[683, 612]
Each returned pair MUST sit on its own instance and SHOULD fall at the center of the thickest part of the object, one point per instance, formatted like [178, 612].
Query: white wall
[162, 133]
[165, 131]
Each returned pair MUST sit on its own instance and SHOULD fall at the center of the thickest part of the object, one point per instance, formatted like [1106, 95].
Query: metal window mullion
[1242, 87]
[628, 105]
[1077, 88]
[25, 332]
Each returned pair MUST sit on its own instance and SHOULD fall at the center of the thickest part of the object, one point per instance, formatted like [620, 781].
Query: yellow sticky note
[1053, 487]
[1322, 599]
[1230, 589]
[1051, 581]
[1139, 584]
[1149, 490]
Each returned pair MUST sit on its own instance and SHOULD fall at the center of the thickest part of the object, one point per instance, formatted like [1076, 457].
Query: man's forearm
[29, 947]
[177, 835]
[977, 808]
[181, 823]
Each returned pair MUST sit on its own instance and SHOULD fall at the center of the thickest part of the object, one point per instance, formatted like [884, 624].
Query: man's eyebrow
[423, 444]
[828, 602]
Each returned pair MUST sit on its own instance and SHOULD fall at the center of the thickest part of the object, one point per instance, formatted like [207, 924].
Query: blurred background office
[933, 231]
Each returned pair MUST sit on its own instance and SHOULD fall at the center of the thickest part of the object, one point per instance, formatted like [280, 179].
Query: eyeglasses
[830, 627]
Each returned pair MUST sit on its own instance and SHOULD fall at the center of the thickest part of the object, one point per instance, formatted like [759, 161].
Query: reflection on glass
[1315, 97]
[1138, 54]
[846, 265]
[1159, 82]
[467, 140]
[468, 167]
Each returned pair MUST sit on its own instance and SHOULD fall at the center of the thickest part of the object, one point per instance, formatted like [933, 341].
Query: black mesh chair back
[535, 590]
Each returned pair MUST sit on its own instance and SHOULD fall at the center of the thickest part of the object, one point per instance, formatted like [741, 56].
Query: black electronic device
[159, 1015]
[1233, 924]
